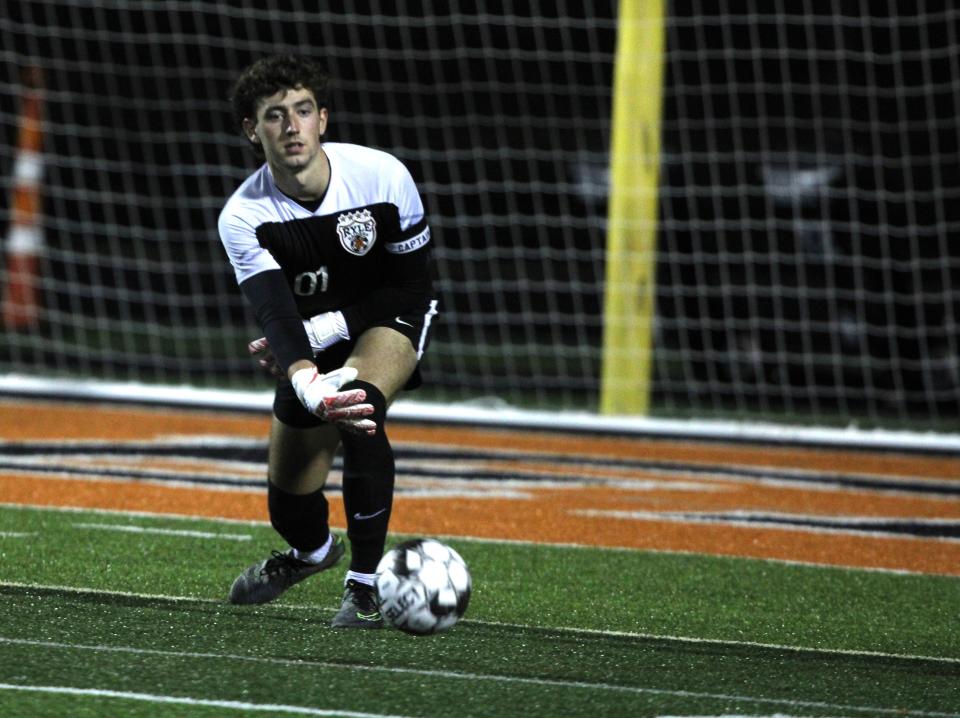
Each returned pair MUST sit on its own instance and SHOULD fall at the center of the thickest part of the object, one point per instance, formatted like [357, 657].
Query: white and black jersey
[363, 250]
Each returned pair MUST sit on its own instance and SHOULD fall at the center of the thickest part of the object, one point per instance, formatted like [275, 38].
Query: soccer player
[331, 249]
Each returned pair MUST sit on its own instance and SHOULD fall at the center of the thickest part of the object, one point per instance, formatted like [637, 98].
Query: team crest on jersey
[357, 231]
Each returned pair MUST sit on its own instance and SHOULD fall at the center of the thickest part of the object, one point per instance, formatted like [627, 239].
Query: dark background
[808, 204]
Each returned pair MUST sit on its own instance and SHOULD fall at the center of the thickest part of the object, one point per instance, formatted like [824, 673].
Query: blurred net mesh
[808, 263]
[808, 194]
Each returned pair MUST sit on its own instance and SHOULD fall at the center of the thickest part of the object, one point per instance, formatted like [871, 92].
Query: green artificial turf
[557, 631]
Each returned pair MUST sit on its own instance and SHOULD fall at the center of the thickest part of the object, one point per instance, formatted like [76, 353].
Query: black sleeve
[410, 284]
[276, 311]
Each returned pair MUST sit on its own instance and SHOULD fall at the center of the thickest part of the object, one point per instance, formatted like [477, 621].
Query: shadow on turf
[571, 640]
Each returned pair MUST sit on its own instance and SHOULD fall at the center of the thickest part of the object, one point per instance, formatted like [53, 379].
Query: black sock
[368, 475]
[302, 519]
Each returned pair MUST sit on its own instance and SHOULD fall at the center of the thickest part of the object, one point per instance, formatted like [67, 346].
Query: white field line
[469, 539]
[125, 594]
[205, 702]
[518, 626]
[467, 676]
[163, 532]
[721, 642]
[17, 534]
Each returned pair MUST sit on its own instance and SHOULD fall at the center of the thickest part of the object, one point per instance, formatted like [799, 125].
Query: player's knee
[375, 398]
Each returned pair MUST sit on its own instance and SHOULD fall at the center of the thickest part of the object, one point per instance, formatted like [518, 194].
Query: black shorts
[417, 327]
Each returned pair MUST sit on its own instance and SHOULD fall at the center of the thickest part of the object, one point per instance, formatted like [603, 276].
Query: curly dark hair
[270, 74]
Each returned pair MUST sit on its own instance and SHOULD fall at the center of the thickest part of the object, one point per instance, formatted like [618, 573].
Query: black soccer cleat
[266, 580]
[359, 609]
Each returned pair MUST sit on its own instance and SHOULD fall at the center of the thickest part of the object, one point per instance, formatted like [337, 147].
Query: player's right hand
[260, 348]
[321, 395]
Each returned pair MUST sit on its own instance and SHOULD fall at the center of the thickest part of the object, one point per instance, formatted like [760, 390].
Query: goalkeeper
[331, 249]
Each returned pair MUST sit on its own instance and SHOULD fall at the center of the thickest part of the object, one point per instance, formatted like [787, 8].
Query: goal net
[802, 251]
[808, 261]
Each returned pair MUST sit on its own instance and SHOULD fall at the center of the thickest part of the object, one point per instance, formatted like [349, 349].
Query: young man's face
[288, 128]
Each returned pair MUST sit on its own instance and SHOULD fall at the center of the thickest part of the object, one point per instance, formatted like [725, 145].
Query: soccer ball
[423, 586]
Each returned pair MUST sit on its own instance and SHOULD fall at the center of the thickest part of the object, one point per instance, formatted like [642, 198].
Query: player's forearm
[298, 365]
[275, 309]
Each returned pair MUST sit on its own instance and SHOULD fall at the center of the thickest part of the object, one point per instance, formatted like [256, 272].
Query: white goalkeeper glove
[325, 330]
[321, 395]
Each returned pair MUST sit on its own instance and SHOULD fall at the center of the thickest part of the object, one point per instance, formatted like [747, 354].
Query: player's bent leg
[299, 462]
[368, 478]
[384, 359]
[300, 459]
[266, 580]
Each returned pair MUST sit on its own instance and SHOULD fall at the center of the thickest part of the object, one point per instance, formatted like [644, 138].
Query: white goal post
[800, 256]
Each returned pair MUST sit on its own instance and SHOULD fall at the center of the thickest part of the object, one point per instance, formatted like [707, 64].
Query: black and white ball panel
[423, 586]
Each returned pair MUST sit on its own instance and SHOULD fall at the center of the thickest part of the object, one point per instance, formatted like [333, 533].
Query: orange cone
[25, 237]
